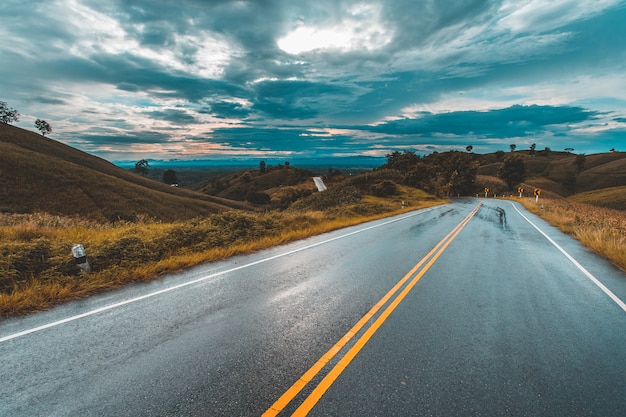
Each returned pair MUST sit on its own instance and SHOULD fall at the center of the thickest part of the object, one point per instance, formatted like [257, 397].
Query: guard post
[81, 257]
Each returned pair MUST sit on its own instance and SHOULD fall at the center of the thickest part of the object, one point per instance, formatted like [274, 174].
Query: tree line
[450, 173]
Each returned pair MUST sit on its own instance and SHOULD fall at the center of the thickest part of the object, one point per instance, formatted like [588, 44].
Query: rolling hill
[597, 179]
[41, 174]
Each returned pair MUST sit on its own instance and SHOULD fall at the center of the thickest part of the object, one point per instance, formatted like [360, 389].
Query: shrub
[22, 260]
[333, 197]
[384, 188]
[260, 198]
[127, 250]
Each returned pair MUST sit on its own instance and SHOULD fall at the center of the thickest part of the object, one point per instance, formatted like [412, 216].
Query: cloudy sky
[201, 79]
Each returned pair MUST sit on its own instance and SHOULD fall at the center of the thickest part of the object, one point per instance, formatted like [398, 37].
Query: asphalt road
[475, 308]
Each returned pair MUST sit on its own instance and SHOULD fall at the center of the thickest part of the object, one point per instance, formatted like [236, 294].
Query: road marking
[205, 278]
[330, 378]
[588, 274]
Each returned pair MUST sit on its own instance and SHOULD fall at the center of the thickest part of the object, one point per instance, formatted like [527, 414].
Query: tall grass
[37, 269]
[600, 229]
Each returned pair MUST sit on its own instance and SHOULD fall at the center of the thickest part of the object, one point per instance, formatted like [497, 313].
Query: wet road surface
[499, 319]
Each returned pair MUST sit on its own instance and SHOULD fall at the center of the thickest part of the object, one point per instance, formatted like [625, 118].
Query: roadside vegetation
[38, 270]
[600, 229]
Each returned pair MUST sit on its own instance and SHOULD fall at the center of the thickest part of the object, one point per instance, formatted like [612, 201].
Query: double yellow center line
[414, 275]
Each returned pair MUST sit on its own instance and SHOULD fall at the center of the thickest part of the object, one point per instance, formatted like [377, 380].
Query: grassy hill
[612, 197]
[41, 174]
[597, 179]
[278, 185]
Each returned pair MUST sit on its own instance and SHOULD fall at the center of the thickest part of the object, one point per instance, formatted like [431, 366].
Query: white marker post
[81, 258]
[319, 184]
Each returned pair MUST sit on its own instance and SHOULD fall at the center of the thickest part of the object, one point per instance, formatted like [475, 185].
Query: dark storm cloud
[271, 140]
[173, 115]
[130, 73]
[505, 123]
[225, 110]
[296, 99]
[48, 100]
[444, 72]
[110, 137]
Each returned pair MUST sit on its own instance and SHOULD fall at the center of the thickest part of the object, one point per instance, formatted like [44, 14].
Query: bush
[128, 250]
[22, 261]
[333, 197]
[259, 198]
[384, 189]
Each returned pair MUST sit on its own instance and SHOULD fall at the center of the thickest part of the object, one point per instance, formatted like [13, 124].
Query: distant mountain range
[336, 162]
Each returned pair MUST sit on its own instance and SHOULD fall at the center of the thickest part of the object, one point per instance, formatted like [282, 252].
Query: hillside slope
[40, 174]
[560, 172]
[612, 197]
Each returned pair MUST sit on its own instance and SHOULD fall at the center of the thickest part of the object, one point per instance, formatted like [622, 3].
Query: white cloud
[541, 15]
[360, 29]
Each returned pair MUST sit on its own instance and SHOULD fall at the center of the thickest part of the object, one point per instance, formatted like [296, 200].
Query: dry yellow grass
[613, 197]
[37, 269]
[601, 230]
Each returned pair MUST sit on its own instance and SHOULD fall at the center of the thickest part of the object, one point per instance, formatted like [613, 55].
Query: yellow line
[330, 378]
[291, 393]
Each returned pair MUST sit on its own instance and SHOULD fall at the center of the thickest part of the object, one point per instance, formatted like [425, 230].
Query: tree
[402, 161]
[262, 167]
[43, 126]
[142, 167]
[469, 148]
[512, 171]
[8, 114]
[570, 150]
[532, 149]
[512, 147]
[169, 177]
[457, 173]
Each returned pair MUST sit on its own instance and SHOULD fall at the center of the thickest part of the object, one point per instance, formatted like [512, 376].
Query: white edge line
[185, 284]
[575, 262]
